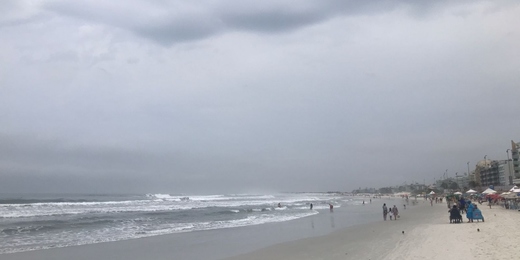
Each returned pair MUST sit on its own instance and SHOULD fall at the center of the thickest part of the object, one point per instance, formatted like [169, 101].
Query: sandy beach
[492, 239]
[427, 235]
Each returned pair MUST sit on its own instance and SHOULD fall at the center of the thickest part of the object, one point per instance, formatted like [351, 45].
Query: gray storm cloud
[170, 22]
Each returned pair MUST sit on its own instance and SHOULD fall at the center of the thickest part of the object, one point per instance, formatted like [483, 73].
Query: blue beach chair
[477, 215]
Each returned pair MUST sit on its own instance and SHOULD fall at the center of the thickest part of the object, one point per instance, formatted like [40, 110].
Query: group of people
[432, 199]
[331, 207]
[393, 212]
[458, 207]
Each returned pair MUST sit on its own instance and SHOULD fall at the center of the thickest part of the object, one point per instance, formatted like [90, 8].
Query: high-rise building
[505, 173]
[489, 175]
[480, 171]
[515, 152]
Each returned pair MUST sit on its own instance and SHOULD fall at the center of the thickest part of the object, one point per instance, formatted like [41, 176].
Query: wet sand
[369, 241]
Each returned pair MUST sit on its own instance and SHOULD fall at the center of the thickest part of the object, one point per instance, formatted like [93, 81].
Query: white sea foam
[148, 216]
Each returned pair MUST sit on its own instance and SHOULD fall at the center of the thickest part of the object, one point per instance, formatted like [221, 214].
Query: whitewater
[41, 221]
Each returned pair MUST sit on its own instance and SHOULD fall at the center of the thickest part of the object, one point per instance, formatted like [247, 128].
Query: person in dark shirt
[455, 216]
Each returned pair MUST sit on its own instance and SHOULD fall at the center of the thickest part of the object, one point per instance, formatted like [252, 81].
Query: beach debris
[478, 229]
[403, 231]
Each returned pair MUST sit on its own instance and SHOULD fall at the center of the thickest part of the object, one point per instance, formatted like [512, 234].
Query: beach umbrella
[458, 193]
[514, 188]
[494, 196]
[471, 191]
[489, 191]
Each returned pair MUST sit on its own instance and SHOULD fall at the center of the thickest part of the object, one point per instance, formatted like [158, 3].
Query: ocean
[42, 221]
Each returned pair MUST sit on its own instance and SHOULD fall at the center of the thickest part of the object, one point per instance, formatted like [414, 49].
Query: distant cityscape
[500, 175]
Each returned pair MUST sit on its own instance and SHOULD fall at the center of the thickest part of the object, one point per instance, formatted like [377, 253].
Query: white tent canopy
[489, 191]
[510, 195]
[514, 188]
[471, 191]
[458, 193]
[431, 193]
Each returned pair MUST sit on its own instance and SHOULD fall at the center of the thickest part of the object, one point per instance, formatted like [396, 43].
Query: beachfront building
[505, 172]
[463, 181]
[416, 187]
[489, 175]
[471, 178]
[479, 169]
[515, 154]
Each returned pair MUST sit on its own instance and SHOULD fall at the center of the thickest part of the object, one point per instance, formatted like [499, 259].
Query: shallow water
[40, 221]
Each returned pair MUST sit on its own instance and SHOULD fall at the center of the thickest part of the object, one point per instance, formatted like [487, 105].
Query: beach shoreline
[426, 228]
[210, 244]
[368, 241]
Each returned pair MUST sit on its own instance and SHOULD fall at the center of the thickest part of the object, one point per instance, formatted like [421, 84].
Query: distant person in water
[363, 202]
[279, 205]
[311, 206]
[385, 211]
[331, 207]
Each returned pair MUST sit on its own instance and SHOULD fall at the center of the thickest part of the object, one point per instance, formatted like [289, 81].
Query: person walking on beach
[385, 211]
[311, 206]
[395, 212]
[331, 207]
[462, 205]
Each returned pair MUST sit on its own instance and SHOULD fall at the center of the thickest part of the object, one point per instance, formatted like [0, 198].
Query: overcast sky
[235, 96]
